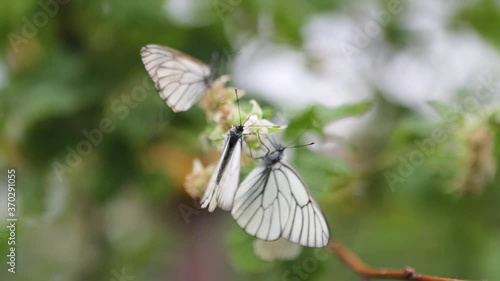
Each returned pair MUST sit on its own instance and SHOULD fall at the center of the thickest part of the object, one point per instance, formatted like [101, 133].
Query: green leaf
[348, 110]
[441, 108]
[484, 17]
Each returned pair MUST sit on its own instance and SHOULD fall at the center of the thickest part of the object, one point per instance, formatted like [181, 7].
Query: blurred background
[401, 97]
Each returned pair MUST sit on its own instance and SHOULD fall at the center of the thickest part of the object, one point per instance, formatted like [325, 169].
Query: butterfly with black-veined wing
[273, 201]
[224, 181]
[180, 79]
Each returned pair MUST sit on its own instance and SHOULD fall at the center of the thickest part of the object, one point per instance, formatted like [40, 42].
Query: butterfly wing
[258, 206]
[307, 224]
[180, 79]
[274, 202]
[223, 183]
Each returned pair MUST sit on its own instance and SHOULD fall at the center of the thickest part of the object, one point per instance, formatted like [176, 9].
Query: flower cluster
[477, 158]
[222, 107]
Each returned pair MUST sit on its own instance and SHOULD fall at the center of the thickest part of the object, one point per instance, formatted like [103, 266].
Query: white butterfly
[273, 201]
[180, 79]
[222, 185]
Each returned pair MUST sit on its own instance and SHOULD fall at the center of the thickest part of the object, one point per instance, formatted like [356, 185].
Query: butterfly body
[222, 185]
[209, 80]
[274, 157]
[234, 138]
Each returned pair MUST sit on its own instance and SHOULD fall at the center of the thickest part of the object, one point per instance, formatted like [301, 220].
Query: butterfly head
[275, 156]
[209, 79]
[237, 130]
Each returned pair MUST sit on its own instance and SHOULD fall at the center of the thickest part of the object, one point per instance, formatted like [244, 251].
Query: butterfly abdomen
[232, 142]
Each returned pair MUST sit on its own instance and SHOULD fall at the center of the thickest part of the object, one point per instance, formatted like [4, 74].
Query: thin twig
[368, 272]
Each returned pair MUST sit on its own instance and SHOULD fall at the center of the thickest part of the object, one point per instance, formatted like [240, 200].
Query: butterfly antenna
[272, 142]
[263, 144]
[301, 145]
[238, 102]
[298, 137]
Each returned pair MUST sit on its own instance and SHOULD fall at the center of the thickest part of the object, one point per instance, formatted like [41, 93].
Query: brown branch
[368, 272]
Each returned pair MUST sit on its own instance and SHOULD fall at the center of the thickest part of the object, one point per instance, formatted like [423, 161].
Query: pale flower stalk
[280, 249]
[196, 181]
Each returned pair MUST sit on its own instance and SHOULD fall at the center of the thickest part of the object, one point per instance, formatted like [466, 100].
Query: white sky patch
[282, 75]
[429, 15]
[192, 13]
[440, 64]
[444, 67]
